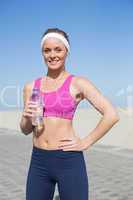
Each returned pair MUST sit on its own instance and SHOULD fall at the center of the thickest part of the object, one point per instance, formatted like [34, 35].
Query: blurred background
[101, 38]
[100, 34]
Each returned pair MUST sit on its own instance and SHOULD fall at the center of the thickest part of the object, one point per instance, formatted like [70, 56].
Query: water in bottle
[37, 119]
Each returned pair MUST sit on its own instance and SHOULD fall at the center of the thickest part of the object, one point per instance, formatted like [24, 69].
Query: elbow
[25, 132]
[115, 117]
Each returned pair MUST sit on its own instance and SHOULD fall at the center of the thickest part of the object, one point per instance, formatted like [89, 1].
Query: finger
[70, 149]
[66, 143]
[66, 140]
[32, 105]
[32, 102]
[28, 110]
[27, 114]
[68, 146]
[74, 147]
[31, 110]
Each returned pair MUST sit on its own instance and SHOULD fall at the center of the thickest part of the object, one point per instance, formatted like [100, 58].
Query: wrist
[88, 141]
[26, 118]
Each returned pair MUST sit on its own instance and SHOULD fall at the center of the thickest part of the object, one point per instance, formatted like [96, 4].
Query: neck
[55, 74]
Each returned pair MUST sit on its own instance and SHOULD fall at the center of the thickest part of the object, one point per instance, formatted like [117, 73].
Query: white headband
[58, 36]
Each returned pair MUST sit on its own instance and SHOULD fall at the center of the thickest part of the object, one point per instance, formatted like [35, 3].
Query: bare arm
[103, 105]
[25, 122]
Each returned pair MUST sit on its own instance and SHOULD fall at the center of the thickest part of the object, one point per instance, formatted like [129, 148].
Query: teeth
[53, 62]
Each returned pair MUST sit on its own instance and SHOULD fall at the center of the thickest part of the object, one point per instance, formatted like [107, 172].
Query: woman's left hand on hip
[75, 144]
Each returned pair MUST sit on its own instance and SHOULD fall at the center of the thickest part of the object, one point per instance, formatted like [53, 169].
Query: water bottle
[37, 119]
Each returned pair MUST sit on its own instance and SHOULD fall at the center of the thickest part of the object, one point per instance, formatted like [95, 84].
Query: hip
[57, 159]
[51, 141]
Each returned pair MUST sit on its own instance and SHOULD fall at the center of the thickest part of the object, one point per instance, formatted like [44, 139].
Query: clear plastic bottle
[37, 119]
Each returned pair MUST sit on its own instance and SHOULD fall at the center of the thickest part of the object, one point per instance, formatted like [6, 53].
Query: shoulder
[86, 87]
[27, 90]
[79, 78]
[28, 86]
[82, 82]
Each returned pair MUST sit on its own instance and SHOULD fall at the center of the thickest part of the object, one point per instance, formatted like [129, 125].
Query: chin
[54, 66]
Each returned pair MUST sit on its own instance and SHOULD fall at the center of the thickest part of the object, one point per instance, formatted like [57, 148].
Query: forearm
[104, 125]
[26, 125]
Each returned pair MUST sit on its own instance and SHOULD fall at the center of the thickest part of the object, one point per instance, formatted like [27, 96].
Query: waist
[52, 135]
[46, 144]
[36, 149]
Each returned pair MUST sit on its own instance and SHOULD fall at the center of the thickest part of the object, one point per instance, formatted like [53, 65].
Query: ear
[68, 53]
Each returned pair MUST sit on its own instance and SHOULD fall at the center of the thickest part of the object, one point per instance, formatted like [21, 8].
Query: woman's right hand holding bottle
[29, 110]
[26, 123]
[32, 115]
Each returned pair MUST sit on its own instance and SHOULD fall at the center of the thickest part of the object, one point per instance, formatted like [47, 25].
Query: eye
[45, 50]
[58, 49]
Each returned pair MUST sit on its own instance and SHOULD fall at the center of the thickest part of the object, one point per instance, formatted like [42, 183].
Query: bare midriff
[55, 130]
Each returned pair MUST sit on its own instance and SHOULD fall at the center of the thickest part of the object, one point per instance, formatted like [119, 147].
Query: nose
[52, 54]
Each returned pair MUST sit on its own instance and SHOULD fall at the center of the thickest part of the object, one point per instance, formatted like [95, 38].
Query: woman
[57, 155]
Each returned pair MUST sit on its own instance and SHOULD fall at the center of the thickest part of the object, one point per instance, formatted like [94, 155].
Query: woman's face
[54, 53]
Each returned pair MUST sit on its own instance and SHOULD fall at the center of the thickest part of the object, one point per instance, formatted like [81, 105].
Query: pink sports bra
[58, 103]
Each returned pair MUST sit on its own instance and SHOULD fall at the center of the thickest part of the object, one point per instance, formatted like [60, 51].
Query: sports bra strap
[67, 82]
[37, 83]
[65, 86]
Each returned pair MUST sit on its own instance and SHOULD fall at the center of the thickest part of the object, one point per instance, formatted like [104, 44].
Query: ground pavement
[109, 168]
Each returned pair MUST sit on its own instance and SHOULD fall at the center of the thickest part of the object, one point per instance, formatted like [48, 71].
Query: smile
[54, 62]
